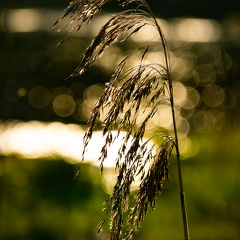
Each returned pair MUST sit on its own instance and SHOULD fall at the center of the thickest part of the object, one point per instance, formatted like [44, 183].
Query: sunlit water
[37, 140]
[190, 30]
[50, 140]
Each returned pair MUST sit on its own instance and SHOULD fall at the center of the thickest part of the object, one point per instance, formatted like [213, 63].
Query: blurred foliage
[40, 199]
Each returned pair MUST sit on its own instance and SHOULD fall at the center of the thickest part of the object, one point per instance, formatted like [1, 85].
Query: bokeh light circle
[213, 96]
[63, 105]
[39, 97]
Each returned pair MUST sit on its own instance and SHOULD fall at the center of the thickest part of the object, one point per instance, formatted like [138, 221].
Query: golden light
[180, 93]
[192, 99]
[196, 30]
[38, 140]
[206, 121]
[27, 19]
[34, 140]
[64, 105]
[163, 117]
[189, 147]
[207, 75]
[178, 29]
[90, 95]
[39, 97]
[94, 91]
[50, 140]
[147, 33]
[24, 20]
[213, 96]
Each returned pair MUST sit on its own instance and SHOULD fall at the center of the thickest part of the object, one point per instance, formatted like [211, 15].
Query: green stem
[182, 194]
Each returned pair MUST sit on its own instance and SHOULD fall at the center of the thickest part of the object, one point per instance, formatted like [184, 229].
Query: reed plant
[131, 93]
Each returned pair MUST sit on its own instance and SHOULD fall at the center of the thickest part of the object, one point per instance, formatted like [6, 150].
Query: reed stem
[182, 194]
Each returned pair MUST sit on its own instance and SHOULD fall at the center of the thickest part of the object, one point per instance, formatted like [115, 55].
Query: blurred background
[43, 118]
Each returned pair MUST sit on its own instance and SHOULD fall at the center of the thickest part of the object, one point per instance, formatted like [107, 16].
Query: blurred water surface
[44, 116]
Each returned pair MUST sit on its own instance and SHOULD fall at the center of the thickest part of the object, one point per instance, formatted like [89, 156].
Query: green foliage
[40, 199]
[29, 211]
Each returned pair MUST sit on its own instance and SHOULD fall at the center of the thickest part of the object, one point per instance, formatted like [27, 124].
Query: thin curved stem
[182, 194]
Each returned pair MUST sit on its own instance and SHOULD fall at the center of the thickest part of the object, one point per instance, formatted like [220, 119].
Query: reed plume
[130, 94]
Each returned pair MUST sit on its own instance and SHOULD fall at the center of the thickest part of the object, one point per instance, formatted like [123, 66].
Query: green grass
[40, 199]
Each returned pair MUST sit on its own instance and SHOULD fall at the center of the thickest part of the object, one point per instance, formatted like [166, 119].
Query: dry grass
[130, 94]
